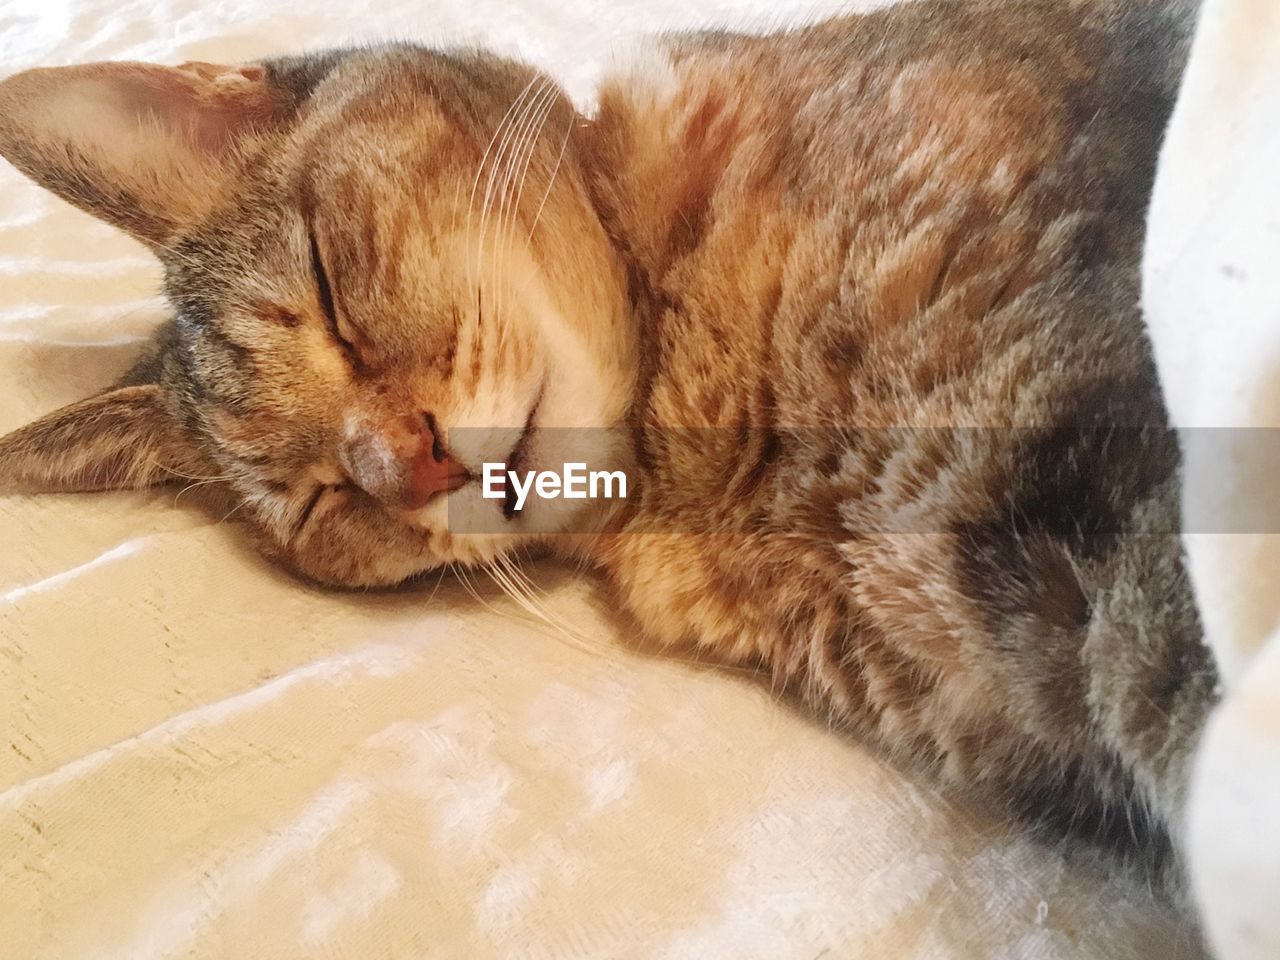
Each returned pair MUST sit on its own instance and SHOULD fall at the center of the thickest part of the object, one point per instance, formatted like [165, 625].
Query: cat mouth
[517, 458]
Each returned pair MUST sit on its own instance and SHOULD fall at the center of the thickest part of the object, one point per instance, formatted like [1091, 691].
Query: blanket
[1212, 292]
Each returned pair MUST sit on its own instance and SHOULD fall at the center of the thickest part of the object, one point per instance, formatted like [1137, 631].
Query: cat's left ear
[123, 438]
[143, 146]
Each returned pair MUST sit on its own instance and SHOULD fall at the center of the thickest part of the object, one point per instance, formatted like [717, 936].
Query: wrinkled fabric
[202, 757]
[1212, 291]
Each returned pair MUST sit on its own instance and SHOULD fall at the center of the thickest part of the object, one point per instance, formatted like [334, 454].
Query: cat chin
[477, 549]
[475, 530]
[479, 531]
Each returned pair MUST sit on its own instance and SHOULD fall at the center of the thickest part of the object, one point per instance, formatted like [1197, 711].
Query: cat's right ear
[142, 146]
[124, 438]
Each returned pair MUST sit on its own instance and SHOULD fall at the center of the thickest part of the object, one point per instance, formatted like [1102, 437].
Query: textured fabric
[204, 758]
[1212, 288]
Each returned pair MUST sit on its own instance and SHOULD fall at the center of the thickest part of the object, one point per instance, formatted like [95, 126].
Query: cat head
[385, 270]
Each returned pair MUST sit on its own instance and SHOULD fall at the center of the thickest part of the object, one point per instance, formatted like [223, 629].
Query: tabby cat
[854, 306]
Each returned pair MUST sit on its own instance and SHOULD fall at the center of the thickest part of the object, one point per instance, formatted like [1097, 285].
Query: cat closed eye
[327, 306]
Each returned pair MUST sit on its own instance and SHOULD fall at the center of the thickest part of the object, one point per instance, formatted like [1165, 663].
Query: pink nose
[403, 463]
[432, 471]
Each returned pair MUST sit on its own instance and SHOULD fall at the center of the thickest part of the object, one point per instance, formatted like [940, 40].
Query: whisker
[471, 589]
[496, 189]
[439, 580]
[189, 476]
[475, 184]
[564, 143]
[496, 165]
[513, 184]
[194, 485]
[244, 501]
[512, 591]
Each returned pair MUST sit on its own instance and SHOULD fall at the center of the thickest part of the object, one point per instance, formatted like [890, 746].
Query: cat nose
[431, 470]
[402, 463]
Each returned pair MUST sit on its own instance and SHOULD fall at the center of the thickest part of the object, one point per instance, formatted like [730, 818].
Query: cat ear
[142, 146]
[124, 438]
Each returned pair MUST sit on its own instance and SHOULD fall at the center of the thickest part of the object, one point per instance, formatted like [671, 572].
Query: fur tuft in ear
[142, 146]
[124, 438]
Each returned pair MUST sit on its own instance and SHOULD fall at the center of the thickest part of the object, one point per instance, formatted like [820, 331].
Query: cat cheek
[351, 543]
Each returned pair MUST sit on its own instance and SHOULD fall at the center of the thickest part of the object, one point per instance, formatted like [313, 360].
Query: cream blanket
[1212, 288]
[203, 758]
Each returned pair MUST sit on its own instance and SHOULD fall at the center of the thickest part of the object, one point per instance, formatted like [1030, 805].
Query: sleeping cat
[854, 306]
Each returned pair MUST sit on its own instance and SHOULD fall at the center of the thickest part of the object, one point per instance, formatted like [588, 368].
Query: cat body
[855, 305]
[957, 539]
